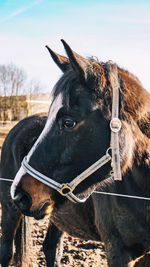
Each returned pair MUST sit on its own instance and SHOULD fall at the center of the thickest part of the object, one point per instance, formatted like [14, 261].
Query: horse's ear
[78, 63]
[61, 61]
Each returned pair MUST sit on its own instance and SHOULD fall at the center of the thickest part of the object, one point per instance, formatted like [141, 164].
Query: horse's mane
[136, 101]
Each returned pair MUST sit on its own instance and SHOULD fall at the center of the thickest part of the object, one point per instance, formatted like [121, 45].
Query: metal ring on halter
[115, 125]
[107, 151]
[65, 189]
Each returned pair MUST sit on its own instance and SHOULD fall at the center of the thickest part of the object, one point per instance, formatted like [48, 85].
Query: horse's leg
[50, 244]
[9, 223]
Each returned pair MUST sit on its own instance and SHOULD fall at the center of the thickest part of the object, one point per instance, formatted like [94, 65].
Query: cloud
[20, 11]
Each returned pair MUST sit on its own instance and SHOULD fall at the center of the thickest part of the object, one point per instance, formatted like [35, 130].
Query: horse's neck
[140, 167]
[141, 176]
[141, 164]
[141, 155]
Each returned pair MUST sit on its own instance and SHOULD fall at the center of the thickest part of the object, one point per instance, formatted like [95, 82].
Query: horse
[71, 160]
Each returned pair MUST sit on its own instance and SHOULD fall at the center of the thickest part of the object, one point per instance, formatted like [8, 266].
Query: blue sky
[116, 30]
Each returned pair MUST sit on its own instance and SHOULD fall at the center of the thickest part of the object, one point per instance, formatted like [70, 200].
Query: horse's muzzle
[24, 202]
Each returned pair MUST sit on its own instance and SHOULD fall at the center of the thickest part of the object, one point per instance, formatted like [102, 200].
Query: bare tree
[13, 85]
[34, 87]
[12, 80]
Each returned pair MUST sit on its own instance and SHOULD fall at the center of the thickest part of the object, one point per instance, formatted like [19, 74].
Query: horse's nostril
[23, 200]
[44, 205]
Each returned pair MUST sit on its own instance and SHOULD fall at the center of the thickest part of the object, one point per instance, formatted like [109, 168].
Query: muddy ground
[76, 253]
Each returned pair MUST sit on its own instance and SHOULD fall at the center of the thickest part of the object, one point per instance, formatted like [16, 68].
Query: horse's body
[76, 134]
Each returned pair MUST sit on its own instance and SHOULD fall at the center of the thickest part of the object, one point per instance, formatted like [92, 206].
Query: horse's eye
[69, 124]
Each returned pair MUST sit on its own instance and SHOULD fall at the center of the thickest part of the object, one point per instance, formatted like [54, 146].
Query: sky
[110, 30]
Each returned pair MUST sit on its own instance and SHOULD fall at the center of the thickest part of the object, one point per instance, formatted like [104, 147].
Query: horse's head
[77, 134]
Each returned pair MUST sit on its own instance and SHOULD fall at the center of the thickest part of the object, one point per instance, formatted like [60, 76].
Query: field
[76, 253]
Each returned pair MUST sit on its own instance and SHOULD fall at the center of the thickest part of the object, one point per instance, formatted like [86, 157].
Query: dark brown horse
[77, 134]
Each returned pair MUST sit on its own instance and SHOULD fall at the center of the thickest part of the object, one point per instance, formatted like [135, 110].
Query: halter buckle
[65, 189]
[115, 125]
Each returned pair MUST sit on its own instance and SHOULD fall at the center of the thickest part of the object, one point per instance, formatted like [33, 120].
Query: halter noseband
[66, 189]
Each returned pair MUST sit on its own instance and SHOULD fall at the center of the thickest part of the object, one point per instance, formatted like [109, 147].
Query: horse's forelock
[65, 83]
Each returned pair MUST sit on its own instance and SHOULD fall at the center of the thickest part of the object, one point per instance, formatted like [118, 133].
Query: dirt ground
[76, 253]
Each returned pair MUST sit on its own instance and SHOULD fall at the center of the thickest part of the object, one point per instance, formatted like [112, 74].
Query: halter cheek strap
[66, 189]
[115, 123]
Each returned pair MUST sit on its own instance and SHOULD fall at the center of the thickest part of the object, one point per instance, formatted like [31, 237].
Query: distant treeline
[14, 108]
[14, 81]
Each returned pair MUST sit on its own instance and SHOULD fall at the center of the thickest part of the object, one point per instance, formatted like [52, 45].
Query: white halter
[66, 189]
